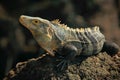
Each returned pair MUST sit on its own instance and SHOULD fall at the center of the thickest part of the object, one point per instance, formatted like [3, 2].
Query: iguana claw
[64, 63]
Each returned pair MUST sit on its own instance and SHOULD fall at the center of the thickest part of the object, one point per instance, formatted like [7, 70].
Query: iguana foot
[68, 53]
[63, 64]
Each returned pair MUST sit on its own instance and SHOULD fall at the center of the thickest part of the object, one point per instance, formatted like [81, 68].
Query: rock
[99, 67]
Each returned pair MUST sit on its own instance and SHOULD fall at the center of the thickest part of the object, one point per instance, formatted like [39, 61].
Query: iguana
[52, 36]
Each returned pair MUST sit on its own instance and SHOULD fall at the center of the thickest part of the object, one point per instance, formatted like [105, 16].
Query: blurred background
[17, 43]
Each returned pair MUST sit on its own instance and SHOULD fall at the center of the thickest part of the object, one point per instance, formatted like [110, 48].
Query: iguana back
[87, 40]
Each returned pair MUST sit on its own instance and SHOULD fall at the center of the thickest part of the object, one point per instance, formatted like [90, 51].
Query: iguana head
[41, 30]
[37, 25]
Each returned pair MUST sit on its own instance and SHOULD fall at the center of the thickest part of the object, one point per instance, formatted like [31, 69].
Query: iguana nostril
[22, 17]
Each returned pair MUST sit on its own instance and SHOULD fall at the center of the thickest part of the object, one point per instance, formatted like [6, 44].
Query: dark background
[17, 43]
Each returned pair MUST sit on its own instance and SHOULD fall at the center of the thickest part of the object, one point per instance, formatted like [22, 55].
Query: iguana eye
[35, 21]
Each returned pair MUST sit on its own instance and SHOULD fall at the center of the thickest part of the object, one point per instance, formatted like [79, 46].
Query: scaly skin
[52, 36]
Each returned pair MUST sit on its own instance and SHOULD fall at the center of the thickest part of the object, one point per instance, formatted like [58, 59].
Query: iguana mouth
[23, 20]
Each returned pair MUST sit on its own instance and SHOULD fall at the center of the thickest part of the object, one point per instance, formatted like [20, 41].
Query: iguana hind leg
[111, 48]
[68, 53]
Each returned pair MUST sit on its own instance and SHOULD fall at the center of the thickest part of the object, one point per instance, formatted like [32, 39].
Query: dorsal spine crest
[57, 21]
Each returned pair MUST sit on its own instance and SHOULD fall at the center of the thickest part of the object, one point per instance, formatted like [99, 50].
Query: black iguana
[51, 35]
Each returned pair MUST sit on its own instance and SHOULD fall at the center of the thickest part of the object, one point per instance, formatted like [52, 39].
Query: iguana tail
[111, 48]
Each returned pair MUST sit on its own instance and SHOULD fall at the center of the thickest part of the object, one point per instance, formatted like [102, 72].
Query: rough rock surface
[99, 67]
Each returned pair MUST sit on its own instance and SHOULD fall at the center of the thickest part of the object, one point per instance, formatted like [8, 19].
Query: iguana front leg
[68, 53]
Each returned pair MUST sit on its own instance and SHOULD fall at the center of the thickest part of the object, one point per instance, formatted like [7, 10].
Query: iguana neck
[47, 43]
